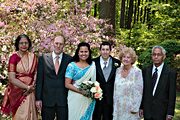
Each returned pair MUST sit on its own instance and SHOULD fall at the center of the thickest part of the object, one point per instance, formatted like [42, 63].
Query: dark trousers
[103, 112]
[49, 113]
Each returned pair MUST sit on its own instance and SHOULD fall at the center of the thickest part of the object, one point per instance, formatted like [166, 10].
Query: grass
[177, 110]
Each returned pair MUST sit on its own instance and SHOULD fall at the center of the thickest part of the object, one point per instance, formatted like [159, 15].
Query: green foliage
[177, 109]
[165, 21]
[165, 32]
[172, 48]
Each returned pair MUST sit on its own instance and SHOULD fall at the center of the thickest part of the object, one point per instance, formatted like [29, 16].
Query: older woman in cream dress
[128, 87]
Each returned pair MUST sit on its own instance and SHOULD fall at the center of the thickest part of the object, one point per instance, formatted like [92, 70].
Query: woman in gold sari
[19, 99]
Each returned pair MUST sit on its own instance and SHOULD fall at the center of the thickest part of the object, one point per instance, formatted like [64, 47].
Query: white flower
[96, 83]
[85, 82]
[116, 64]
[93, 90]
[5, 72]
[4, 48]
[90, 82]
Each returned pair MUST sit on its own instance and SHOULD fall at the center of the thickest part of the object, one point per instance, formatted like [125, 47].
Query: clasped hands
[84, 92]
[29, 89]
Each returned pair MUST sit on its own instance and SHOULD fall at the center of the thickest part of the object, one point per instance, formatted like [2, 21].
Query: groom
[106, 67]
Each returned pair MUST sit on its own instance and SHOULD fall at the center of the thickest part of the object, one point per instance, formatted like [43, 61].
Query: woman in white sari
[80, 70]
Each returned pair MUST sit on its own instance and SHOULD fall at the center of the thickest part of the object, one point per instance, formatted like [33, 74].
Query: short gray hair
[160, 47]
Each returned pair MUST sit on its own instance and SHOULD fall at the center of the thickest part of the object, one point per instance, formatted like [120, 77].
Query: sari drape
[14, 98]
[79, 106]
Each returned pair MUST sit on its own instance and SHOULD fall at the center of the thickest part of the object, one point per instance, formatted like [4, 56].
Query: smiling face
[23, 45]
[83, 53]
[127, 59]
[157, 57]
[58, 45]
[105, 51]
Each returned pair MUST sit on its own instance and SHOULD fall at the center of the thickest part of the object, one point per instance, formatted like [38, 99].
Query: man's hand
[39, 105]
[141, 113]
[169, 117]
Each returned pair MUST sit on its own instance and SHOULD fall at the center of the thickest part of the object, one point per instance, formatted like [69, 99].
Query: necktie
[105, 63]
[154, 77]
[57, 64]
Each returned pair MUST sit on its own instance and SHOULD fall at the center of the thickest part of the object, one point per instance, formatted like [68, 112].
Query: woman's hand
[29, 89]
[84, 92]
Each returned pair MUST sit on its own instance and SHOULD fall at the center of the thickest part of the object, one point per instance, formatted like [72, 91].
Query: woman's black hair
[19, 38]
[76, 56]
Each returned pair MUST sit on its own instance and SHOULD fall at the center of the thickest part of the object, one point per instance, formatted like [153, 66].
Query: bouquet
[91, 89]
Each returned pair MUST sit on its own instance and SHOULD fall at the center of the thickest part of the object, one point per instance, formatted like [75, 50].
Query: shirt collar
[102, 61]
[159, 68]
[54, 55]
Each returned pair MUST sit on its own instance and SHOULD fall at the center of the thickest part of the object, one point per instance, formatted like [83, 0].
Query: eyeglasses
[158, 54]
[23, 43]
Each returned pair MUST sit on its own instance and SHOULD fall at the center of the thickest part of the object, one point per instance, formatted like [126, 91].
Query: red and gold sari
[21, 106]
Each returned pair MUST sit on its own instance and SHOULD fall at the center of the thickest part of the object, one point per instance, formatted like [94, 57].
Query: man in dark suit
[159, 95]
[106, 67]
[51, 94]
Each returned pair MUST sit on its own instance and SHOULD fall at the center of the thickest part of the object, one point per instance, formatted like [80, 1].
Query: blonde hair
[128, 50]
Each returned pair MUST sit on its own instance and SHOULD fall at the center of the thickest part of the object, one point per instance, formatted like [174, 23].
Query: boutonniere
[116, 64]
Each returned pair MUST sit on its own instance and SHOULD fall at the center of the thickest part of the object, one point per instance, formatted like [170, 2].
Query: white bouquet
[92, 89]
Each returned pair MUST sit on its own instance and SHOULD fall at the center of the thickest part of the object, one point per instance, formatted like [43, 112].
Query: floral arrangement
[116, 64]
[91, 89]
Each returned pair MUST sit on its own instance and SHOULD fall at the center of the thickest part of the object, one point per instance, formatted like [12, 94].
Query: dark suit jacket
[107, 87]
[50, 88]
[163, 101]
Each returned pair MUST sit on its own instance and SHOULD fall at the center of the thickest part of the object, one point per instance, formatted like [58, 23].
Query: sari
[22, 107]
[79, 106]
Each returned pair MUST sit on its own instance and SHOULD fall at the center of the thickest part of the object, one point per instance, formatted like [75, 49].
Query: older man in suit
[105, 74]
[159, 88]
[51, 94]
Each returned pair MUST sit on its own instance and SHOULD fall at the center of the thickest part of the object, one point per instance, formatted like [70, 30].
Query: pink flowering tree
[43, 19]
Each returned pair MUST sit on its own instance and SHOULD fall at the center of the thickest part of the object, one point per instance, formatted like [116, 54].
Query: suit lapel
[162, 81]
[149, 78]
[62, 63]
[112, 71]
[49, 61]
[99, 70]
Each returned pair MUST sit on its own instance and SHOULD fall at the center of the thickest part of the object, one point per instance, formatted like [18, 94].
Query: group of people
[50, 84]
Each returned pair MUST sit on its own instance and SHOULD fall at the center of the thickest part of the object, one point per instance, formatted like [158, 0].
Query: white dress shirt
[102, 62]
[54, 57]
[159, 73]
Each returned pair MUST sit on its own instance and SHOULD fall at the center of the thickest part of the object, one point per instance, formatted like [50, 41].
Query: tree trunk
[145, 13]
[138, 10]
[135, 10]
[95, 10]
[122, 16]
[107, 10]
[130, 13]
[149, 14]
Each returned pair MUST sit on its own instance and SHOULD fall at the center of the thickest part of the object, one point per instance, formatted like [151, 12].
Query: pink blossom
[2, 24]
